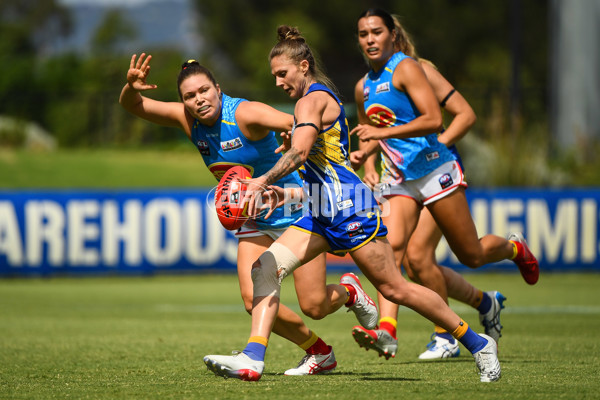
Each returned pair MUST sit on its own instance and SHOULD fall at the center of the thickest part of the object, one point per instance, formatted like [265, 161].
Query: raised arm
[159, 112]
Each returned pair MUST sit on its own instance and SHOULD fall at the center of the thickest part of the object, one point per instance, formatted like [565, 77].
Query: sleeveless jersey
[223, 146]
[333, 187]
[386, 106]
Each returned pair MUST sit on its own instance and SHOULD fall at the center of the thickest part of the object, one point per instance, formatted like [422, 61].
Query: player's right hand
[138, 73]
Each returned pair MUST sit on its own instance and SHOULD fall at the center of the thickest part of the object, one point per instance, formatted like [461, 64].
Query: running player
[343, 217]
[419, 260]
[417, 169]
[229, 131]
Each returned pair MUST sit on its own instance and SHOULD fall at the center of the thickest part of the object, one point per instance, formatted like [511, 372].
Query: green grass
[103, 168]
[134, 337]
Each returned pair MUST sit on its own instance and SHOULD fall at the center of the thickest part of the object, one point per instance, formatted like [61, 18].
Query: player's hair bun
[285, 32]
[189, 63]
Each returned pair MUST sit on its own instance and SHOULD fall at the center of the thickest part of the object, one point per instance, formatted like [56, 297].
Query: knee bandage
[274, 265]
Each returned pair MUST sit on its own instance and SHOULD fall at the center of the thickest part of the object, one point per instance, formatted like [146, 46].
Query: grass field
[134, 337]
[181, 166]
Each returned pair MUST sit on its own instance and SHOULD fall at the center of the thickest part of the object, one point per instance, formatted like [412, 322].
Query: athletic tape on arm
[276, 263]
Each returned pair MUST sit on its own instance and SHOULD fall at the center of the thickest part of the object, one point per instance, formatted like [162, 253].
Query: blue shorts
[347, 234]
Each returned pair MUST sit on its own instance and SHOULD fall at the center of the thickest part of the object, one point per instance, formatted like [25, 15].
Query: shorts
[346, 235]
[248, 232]
[434, 186]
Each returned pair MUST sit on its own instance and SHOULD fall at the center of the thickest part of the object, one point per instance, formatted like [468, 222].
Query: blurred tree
[468, 41]
[113, 30]
[75, 96]
[239, 35]
[26, 28]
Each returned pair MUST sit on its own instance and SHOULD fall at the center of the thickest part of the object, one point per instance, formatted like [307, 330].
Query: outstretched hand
[367, 132]
[287, 142]
[138, 73]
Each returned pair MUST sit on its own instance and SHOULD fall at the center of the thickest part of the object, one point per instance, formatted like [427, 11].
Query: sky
[158, 22]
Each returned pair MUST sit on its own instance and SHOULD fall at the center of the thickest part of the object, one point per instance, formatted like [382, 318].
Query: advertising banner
[64, 232]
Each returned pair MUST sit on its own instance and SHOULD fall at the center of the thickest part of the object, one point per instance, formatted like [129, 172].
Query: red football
[228, 197]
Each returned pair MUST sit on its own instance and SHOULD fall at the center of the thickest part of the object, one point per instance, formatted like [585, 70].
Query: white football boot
[314, 364]
[379, 340]
[440, 348]
[487, 361]
[238, 366]
[364, 307]
[491, 319]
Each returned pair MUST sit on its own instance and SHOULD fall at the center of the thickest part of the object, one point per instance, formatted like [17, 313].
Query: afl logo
[366, 93]
[354, 229]
[203, 147]
[446, 181]
[381, 116]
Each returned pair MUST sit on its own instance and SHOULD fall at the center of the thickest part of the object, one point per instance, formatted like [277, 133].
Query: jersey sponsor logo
[342, 205]
[446, 181]
[354, 229]
[432, 156]
[203, 147]
[366, 92]
[382, 87]
[231, 144]
[381, 115]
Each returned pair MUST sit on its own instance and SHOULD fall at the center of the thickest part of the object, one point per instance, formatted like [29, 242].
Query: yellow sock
[478, 299]
[259, 339]
[389, 320]
[515, 250]
[312, 340]
[388, 324]
[439, 329]
[460, 331]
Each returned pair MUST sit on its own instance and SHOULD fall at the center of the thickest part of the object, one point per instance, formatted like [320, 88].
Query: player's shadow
[376, 376]
[446, 361]
[365, 376]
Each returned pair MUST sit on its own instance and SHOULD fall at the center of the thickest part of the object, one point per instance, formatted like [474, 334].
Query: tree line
[74, 95]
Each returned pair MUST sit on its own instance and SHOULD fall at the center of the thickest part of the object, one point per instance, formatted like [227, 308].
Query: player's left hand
[371, 179]
[287, 142]
[357, 159]
[367, 132]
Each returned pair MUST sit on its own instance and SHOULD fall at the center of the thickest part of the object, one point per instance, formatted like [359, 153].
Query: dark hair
[387, 18]
[294, 46]
[190, 68]
[403, 41]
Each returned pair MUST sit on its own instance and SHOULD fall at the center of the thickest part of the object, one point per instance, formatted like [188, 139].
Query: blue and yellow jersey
[223, 146]
[331, 183]
[386, 106]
